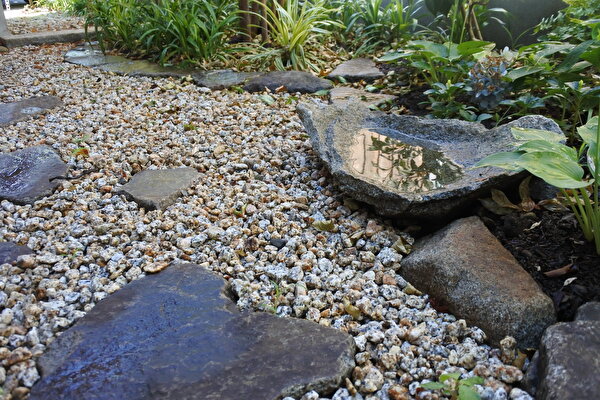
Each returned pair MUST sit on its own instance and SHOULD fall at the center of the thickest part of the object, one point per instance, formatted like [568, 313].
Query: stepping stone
[357, 69]
[406, 167]
[90, 56]
[158, 189]
[9, 252]
[28, 175]
[223, 79]
[177, 335]
[466, 268]
[292, 81]
[343, 95]
[567, 364]
[21, 110]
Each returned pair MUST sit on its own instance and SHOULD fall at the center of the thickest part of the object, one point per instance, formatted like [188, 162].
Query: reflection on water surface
[400, 166]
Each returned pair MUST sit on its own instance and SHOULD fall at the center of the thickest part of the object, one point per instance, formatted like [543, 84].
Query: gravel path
[260, 183]
[22, 20]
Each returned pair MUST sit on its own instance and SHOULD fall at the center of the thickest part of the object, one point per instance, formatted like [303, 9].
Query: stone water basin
[411, 168]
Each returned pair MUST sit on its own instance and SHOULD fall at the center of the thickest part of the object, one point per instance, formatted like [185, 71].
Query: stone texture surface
[223, 79]
[343, 95]
[465, 267]
[357, 69]
[21, 110]
[90, 56]
[27, 175]
[158, 189]
[176, 335]
[567, 364]
[424, 170]
[9, 252]
[38, 38]
[293, 81]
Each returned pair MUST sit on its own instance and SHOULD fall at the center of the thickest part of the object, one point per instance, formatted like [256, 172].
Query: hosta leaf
[507, 160]
[537, 134]
[521, 72]
[534, 146]
[555, 170]
[474, 46]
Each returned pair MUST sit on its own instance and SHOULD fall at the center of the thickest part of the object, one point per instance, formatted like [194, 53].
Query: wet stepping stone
[342, 95]
[9, 252]
[407, 167]
[28, 175]
[158, 189]
[223, 79]
[357, 69]
[177, 335]
[291, 81]
[21, 110]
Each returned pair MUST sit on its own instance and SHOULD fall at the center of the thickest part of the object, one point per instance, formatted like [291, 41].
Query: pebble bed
[251, 217]
[23, 20]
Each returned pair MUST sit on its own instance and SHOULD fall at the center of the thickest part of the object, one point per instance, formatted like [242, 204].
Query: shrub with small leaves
[486, 80]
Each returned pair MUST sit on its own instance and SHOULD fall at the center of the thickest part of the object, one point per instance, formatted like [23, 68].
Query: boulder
[178, 335]
[223, 79]
[9, 252]
[28, 175]
[464, 267]
[343, 95]
[567, 364]
[357, 69]
[292, 81]
[409, 167]
[21, 110]
[158, 189]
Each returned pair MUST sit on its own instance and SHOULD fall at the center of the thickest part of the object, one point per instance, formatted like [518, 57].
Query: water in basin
[398, 165]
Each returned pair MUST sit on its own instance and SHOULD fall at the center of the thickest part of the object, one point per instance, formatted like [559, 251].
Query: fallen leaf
[268, 100]
[569, 281]
[326, 225]
[559, 271]
[533, 226]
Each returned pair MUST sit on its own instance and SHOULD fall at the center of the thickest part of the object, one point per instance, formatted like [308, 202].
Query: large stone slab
[409, 167]
[343, 95]
[9, 252]
[567, 364]
[466, 268]
[357, 69]
[223, 79]
[24, 109]
[292, 81]
[38, 38]
[177, 335]
[28, 175]
[158, 189]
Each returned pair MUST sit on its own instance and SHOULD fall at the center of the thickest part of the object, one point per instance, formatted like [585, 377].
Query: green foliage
[166, 30]
[445, 102]
[75, 7]
[543, 155]
[452, 385]
[565, 25]
[291, 26]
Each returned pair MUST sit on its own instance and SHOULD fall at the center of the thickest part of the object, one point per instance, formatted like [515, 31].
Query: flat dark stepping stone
[358, 69]
[28, 175]
[292, 81]
[158, 189]
[177, 335]
[89, 56]
[223, 78]
[24, 109]
[9, 252]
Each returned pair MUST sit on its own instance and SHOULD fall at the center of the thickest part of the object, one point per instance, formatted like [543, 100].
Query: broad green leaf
[592, 56]
[508, 160]
[466, 393]
[573, 56]
[534, 146]
[389, 57]
[433, 386]
[474, 46]
[521, 72]
[474, 380]
[445, 377]
[589, 131]
[555, 170]
[537, 134]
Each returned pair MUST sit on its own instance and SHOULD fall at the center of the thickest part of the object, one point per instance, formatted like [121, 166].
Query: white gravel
[89, 243]
[22, 20]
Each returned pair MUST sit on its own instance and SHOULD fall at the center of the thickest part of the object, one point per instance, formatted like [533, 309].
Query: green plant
[458, 389]
[291, 26]
[565, 25]
[446, 103]
[69, 6]
[543, 155]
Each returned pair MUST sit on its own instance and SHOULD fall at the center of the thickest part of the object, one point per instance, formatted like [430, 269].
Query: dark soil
[555, 243]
